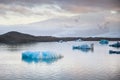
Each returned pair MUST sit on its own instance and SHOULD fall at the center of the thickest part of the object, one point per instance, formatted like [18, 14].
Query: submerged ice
[36, 56]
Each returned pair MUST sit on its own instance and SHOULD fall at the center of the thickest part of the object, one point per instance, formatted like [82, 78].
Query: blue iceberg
[37, 56]
[104, 41]
[114, 52]
[84, 47]
[116, 45]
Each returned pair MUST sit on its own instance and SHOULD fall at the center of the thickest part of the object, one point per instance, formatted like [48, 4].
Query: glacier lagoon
[97, 64]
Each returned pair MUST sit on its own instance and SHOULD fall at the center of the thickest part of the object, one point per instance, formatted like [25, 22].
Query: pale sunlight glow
[113, 12]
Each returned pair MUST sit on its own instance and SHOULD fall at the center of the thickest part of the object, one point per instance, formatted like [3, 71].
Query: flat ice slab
[36, 56]
[40, 55]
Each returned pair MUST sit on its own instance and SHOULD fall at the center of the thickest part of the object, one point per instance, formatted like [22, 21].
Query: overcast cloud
[38, 10]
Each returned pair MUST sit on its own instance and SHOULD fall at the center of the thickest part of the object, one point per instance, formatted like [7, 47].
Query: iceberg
[61, 41]
[36, 56]
[114, 52]
[84, 47]
[78, 40]
[104, 41]
[117, 45]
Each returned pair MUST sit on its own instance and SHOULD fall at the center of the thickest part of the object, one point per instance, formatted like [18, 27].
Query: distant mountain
[14, 37]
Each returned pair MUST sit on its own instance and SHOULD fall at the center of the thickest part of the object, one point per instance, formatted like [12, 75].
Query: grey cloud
[2, 13]
[26, 2]
[13, 8]
[92, 5]
[70, 5]
[100, 3]
[26, 11]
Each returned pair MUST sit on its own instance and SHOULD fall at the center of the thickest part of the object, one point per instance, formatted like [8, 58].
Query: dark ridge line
[14, 37]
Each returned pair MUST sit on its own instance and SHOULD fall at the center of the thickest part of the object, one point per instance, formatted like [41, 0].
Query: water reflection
[48, 61]
[16, 47]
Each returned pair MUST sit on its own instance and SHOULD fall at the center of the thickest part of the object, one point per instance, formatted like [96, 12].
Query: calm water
[76, 65]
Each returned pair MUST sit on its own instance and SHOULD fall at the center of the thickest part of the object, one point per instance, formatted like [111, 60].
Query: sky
[15, 12]
[61, 18]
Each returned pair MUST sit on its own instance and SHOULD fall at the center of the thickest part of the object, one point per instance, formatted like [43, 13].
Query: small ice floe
[116, 45]
[103, 41]
[37, 56]
[114, 52]
[84, 47]
[78, 40]
[60, 41]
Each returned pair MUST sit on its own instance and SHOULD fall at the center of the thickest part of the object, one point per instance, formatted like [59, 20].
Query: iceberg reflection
[84, 50]
[48, 61]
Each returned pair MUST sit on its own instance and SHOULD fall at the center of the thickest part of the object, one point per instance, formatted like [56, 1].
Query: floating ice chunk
[40, 56]
[104, 41]
[61, 41]
[114, 52]
[117, 45]
[84, 47]
[78, 40]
